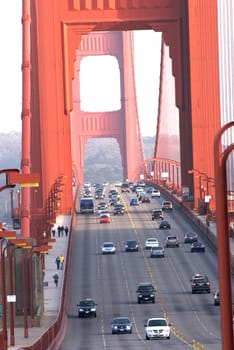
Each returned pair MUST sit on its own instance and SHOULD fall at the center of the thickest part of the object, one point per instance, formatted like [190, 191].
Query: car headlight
[152, 295]
[128, 327]
[140, 295]
[93, 309]
[114, 327]
[81, 310]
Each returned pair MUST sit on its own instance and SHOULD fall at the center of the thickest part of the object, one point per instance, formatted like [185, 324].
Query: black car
[121, 325]
[118, 210]
[131, 246]
[197, 247]
[87, 308]
[146, 293]
[200, 283]
[157, 214]
[164, 225]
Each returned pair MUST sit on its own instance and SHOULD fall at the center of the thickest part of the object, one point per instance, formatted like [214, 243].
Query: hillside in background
[102, 161]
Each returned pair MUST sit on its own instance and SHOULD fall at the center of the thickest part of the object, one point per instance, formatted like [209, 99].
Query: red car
[104, 219]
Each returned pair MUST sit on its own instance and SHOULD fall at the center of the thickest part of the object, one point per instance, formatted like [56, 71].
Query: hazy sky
[147, 65]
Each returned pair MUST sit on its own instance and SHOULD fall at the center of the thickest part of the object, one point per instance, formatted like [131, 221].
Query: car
[121, 325]
[125, 188]
[157, 214]
[102, 205]
[167, 205]
[157, 328]
[200, 283]
[151, 242]
[131, 246]
[155, 193]
[172, 241]
[139, 191]
[104, 218]
[164, 225]
[157, 252]
[108, 248]
[145, 199]
[216, 297]
[87, 308]
[146, 293]
[190, 237]
[118, 210]
[134, 201]
[197, 247]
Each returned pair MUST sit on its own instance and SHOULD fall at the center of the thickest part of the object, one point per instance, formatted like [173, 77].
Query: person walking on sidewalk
[61, 261]
[66, 229]
[56, 279]
[57, 262]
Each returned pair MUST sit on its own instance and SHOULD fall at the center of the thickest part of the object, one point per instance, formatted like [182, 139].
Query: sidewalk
[52, 294]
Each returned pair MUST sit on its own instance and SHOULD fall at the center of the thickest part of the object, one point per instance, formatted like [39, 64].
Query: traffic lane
[139, 220]
[112, 300]
[117, 235]
[123, 277]
[204, 318]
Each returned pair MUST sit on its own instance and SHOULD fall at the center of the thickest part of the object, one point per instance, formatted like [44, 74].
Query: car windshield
[152, 240]
[121, 320]
[153, 323]
[145, 289]
[171, 238]
[108, 245]
[87, 303]
[131, 243]
[156, 249]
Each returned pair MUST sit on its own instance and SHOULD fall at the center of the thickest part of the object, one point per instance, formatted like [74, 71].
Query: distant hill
[102, 161]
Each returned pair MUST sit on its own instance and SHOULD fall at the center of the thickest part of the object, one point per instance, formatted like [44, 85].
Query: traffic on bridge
[186, 294]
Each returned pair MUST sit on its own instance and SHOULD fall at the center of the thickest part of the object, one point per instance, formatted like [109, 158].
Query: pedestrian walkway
[52, 294]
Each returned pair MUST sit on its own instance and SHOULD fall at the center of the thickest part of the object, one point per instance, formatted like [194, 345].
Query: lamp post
[14, 244]
[5, 237]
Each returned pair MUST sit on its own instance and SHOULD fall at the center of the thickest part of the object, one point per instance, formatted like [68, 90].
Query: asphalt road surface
[112, 280]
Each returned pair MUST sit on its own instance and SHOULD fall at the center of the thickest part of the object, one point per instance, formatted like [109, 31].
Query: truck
[86, 205]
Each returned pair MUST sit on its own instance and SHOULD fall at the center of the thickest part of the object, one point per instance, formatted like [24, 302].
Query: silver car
[157, 252]
[108, 248]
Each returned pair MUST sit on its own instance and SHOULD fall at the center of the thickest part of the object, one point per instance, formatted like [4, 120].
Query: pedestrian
[53, 231]
[62, 230]
[61, 261]
[59, 230]
[57, 262]
[66, 229]
[56, 278]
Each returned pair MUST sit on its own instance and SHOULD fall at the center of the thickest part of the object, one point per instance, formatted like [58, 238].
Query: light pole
[14, 244]
[5, 237]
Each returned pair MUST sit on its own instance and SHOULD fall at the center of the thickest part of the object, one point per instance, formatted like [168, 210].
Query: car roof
[145, 284]
[199, 276]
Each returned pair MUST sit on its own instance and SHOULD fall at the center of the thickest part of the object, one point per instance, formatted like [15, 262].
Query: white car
[151, 242]
[155, 193]
[157, 328]
[108, 248]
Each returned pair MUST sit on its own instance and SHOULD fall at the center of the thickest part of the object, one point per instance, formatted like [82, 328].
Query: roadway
[111, 280]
